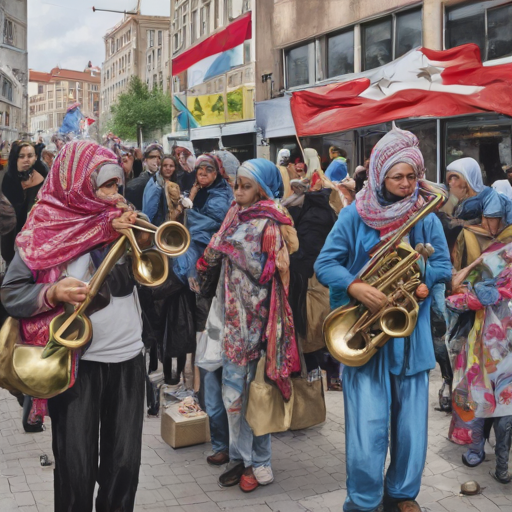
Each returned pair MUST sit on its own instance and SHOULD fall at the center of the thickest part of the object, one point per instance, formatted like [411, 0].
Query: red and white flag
[422, 83]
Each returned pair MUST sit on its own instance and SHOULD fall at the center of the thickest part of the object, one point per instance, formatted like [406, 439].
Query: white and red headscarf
[397, 146]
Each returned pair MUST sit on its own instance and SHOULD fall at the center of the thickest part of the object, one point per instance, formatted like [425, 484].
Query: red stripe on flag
[358, 112]
[233, 35]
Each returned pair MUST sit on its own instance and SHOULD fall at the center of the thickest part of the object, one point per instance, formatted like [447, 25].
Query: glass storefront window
[300, 65]
[340, 54]
[487, 139]
[408, 32]
[377, 41]
[499, 32]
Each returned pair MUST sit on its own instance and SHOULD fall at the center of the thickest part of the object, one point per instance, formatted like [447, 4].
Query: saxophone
[352, 333]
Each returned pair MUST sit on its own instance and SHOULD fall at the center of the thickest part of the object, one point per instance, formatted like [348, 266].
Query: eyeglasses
[411, 178]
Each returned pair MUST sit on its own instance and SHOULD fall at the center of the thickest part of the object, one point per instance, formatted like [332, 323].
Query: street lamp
[94, 9]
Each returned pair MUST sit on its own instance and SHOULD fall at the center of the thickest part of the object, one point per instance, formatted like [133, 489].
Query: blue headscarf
[265, 174]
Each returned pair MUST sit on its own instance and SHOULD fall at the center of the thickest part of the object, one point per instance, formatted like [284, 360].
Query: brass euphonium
[352, 333]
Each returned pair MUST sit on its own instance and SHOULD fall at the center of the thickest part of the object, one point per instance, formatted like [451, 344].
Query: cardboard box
[179, 431]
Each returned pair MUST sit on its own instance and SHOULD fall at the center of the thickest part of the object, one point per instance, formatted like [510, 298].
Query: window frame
[311, 63]
[330, 35]
[488, 6]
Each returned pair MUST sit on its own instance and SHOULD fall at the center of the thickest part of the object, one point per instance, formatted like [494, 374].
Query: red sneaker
[248, 482]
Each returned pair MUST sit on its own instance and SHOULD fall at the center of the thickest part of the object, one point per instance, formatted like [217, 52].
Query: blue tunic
[346, 251]
[487, 203]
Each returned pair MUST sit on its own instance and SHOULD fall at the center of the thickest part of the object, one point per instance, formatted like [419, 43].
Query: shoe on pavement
[473, 460]
[248, 482]
[407, 506]
[264, 475]
[232, 475]
[502, 480]
[218, 459]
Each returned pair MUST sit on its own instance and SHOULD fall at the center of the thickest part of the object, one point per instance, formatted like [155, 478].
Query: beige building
[213, 80]
[302, 44]
[52, 93]
[13, 70]
[138, 45]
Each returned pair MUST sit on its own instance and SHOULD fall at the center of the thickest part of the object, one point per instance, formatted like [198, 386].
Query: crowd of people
[273, 249]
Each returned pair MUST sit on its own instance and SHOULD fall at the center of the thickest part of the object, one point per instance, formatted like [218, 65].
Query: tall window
[193, 27]
[205, 19]
[160, 38]
[9, 32]
[340, 54]
[378, 43]
[7, 89]
[485, 24]
[151, 38]
[40, 89]
[391, 37]
[300, 65]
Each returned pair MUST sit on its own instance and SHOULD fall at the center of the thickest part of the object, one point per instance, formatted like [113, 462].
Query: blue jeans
[243, 444]
[503, 431]
[380, 405]
[211, 382]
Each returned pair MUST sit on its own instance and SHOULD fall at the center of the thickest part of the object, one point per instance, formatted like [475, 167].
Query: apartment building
[13, 70]
[304, 45]
[52, 93]
[138, 45]
[213, 80]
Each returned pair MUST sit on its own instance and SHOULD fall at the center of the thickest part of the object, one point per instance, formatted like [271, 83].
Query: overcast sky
[69, 34]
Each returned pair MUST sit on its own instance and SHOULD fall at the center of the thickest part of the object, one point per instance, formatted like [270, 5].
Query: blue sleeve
[151, 199]
[218, 205]
[331, 264]
[439, 266]
[492, 206]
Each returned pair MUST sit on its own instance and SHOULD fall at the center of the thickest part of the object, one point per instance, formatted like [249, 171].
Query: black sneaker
[232, 475]
[499, 479]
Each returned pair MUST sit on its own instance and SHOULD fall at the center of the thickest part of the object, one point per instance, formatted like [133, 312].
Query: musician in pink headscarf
[386, 398]
[78, 213]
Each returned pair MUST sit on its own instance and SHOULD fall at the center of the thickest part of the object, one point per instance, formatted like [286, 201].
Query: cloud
[69, 34]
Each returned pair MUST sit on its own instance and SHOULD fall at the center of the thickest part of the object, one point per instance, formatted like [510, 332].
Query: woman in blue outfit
[391, 390]
[208, 202]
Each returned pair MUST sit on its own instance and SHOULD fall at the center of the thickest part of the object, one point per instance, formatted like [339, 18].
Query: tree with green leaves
[138, 105]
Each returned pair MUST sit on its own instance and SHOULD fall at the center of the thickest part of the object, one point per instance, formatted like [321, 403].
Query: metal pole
[94, 9]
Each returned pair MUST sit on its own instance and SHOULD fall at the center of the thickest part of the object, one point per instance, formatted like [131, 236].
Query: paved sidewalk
[309, 468]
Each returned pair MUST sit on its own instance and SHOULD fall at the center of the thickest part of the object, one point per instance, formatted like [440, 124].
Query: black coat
[135, 189]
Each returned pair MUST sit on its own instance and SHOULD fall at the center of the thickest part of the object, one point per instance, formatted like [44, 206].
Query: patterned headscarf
[68, 219]
[265, 174]
[397, 146]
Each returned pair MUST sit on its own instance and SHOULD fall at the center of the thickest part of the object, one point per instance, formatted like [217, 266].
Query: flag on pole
[422, 83]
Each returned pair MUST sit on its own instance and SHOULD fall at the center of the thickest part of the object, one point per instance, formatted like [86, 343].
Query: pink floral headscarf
[397, 146]
[68, 219]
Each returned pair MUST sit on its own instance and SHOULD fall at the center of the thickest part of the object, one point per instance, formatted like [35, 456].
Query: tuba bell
[352, 333]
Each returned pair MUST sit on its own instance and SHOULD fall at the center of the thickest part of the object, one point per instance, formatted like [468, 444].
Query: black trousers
[107, 401]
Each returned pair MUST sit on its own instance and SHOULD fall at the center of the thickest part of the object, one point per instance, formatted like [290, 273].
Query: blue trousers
[244, 446]
[211, 382]
[380, 406]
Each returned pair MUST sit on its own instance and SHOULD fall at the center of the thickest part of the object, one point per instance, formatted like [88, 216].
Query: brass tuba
[352, 333]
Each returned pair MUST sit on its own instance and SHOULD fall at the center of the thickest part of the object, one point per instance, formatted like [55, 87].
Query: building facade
[52, 93]
[13, 70]
[307, 44]
[213, 74]
[137, 46]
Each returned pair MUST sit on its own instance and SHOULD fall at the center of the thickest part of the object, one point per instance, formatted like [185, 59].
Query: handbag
[308, 399]
[209, 342]
[23, 368]
[267, 412]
